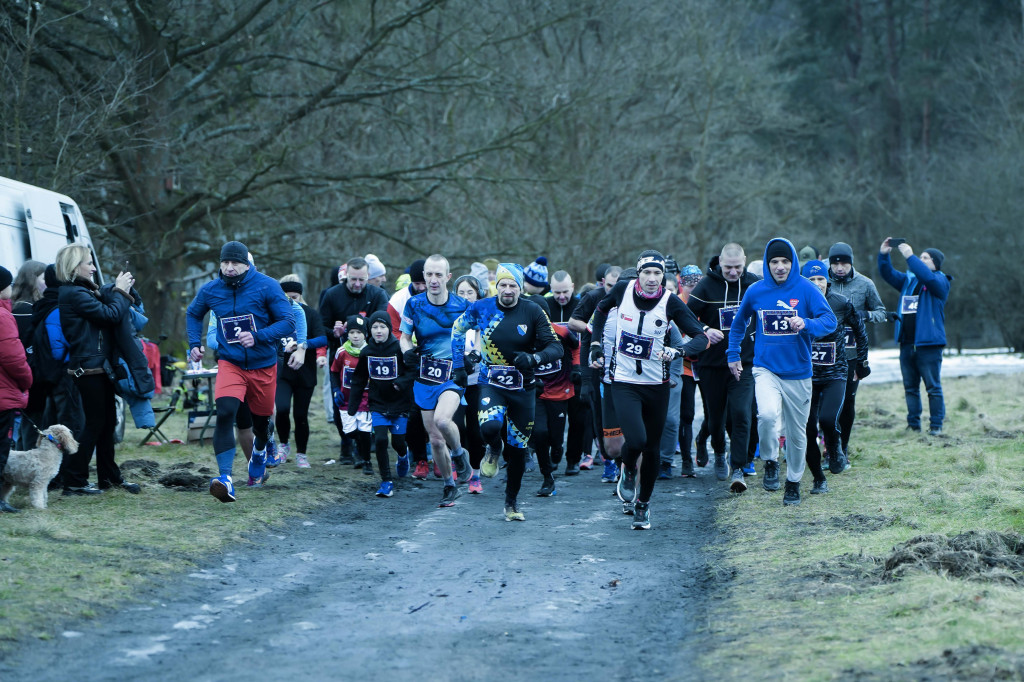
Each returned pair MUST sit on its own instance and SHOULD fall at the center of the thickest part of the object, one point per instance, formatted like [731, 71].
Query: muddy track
[397, 589]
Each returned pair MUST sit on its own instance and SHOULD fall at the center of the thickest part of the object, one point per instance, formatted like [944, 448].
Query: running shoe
[437, 469]
[820, 487]
[449, 495]
[611, 472]
[587, 463]
[222, 488]
[422, 470]
[642, 516]
[721, 467]
[738, 485]
[301, 461]
[489, 465]
[386, 489]
[254, 482]
[665, 472]
[626, 489]
[512, 512]
[460, 462]
[572, 469]
[749, 469]
[702, 452]
[475, 487]
[627, 508]
[402, 466]
[548, 488]
[258, 465]
[770, 479]
[792, 494]
[687, 468]
[367, 467]
[283, 452]
[271, 449]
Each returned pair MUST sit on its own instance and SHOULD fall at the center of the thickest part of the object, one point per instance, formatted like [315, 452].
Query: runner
[561, 303]
[429, 316]
[353, 406]
[471, 288]
[639, 369]
[516, 337]
[254, 314]
[789, 312]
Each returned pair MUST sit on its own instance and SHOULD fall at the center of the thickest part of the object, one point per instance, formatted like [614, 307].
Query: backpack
[44, 367]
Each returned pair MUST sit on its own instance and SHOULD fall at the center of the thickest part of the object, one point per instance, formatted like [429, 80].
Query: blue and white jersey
[432, 324]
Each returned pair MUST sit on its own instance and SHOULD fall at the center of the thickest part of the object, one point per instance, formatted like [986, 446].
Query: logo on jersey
[627, 318]
[485, 401]
[522, 329]
[793, 302]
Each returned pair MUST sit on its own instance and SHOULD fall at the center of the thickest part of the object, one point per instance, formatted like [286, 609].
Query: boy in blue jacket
[791, 313]
[920, 328]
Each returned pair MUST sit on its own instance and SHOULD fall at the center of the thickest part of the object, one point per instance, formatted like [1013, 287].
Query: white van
[35, 223]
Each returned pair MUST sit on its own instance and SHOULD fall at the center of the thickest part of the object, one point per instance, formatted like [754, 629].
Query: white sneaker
[284, 450]
[301, 461]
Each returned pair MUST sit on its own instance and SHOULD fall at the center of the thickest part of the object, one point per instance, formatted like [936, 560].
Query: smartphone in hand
[894, 242]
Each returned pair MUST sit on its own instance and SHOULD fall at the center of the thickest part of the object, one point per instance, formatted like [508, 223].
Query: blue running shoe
[749, 469]
[258, 467]
[611, 472]
[222, 488]
[272, 460]
[757, 451]
[386, 489]
[402, 466]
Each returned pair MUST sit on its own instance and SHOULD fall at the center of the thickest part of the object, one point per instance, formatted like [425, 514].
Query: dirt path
[398, 589]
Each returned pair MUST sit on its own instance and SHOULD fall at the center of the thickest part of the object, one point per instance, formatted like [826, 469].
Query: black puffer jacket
[88, 320]
[388, 397]
[846, 316]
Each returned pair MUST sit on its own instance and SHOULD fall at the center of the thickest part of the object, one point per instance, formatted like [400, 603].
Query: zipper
[639, 332]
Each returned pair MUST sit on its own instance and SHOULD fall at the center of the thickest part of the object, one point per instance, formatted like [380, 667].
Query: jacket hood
[794, 271]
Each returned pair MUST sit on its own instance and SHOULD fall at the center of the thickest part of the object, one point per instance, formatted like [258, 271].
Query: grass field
[806, 594]
[84, 555]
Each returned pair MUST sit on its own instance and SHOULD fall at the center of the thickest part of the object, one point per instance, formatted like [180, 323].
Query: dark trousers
[380, 437]
[302, 395]
[849, 405]
[642, 410]
[513, 413]
[923, 363]
[416, 438]
[687, 409]
[469, 427]
[548, 431]
[723, 396]
[596, 411]
[97, 434]
[576, 440]
[826, 404]
[6, 436]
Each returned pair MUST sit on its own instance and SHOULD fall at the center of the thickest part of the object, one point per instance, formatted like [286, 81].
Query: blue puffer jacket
[255, 294]
[930, 327]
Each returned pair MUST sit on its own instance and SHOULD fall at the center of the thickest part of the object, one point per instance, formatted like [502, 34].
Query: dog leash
[49, 436]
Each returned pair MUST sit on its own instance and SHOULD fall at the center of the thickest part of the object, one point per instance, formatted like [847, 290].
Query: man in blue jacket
[920, 328]
[253, 314]
[791, 312]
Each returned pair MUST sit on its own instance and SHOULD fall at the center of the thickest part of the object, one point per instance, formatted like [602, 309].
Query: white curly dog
[36, 468]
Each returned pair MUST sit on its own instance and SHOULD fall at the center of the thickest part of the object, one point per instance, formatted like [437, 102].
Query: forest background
[581, 130]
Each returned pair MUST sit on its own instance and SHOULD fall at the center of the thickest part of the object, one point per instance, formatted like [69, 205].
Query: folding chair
[171, 408]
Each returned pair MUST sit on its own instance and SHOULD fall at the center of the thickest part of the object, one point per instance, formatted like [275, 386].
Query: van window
[70, 228]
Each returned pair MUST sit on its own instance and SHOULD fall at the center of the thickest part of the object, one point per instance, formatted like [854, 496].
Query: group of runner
[492, 370]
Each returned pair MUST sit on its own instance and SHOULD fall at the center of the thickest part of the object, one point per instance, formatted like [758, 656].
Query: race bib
[435, 370]
[636, 347]
[849, 341]
[382, 369]
[726, 316]
[549, 368]
[823, 354]
[231, 327]
[505, 377]
[908, 305]
[346, 376]
[776, 323]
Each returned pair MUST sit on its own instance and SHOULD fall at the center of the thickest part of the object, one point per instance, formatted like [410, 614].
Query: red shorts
[255, 387]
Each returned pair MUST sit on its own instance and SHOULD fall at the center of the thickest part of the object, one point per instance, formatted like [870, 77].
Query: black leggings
[511, 412]
[469, 426]
[228, 410]
[97, 433]
[826, 404]
[687, 409]
[416, 438]
[642, 410]
[380, 437]
[849, 405]
[548, 430]
[283, 399]
[577, 440]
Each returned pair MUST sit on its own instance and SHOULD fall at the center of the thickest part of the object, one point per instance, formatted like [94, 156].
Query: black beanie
[355, 322]
[840, 253]
[292, 287]
[5, 278]
[416, 271]
[937, 258]
[599, 272]
[50, 276]
[777, 249]
[236, 251]
[650, 259]
[382, 317]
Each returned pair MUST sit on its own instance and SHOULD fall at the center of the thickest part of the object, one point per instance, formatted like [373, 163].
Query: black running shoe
[686, 471]
[448, 497]
[367, 468]
[572, 469]
[770, 480]
[792, 494]
[702, 453]
[820, 487]
[548, 488]
[626, 489]
[738, 485]
[642, 516]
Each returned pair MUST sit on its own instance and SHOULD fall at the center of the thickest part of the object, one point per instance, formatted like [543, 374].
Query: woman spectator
[89, 320]
[15, 374]
[28, 288]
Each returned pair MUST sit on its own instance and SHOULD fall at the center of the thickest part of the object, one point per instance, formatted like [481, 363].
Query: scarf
[643, 294]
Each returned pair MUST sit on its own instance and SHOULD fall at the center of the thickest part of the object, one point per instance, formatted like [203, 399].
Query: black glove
[352, 409]
[864, 315]
[596, 353]
[863, 371]
[474, 357]
[460, 377]
[892, 316]
[525, 361]
[575, 376]
[411, 358]
[585, 392]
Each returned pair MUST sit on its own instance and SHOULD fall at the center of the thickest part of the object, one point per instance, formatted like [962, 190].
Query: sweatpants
[826, 405]
[782, 409]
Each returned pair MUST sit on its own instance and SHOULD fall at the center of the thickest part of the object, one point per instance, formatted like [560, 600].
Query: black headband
[292, 287]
